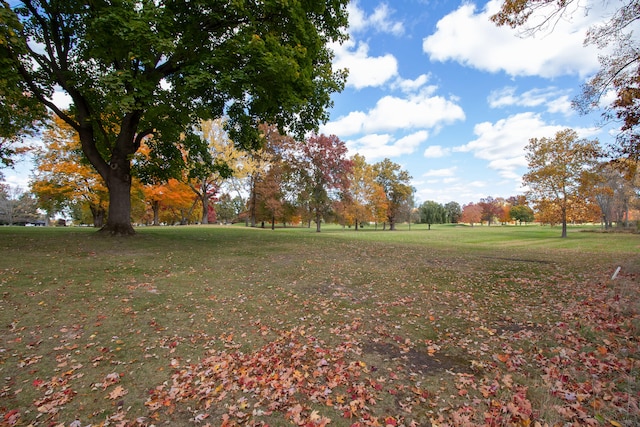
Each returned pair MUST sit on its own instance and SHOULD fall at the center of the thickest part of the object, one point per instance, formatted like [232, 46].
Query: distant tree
[171, 202]
[17, 206]
[210, 162]
[471, 214]
[521, 213]
[63, 178]
[491, 209]
[323, 170]
[454, 211]
[613, 190]
[360, 197]
[432, 213]
[557, 169]
[395, 183]
[133, 69]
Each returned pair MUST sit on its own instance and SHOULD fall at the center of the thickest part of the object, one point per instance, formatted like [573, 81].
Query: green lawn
[229, 325]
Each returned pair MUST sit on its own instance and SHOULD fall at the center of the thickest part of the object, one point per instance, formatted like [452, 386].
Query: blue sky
[439, 89]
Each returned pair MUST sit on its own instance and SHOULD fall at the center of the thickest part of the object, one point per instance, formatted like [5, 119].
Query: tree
[491, 208]
[63, 179]
[364, 199]
[432, 213]
[323, 171]
[557, 168]
[17, 207]
[395, 183]
[454, 211]
[471, 213]
[135, 69]
[521, 213]
[211, 161]
[613, 191]
[619, 66]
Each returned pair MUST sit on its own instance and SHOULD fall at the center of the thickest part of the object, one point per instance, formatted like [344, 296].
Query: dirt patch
[421, 361]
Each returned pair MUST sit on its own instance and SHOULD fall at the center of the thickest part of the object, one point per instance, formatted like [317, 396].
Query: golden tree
[63, 179]
[557, 169]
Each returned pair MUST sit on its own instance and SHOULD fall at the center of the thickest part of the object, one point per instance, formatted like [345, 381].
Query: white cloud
[446, 172]
[436, 151]
[377, 146]
[553, 99]
[364, 70]
[469, 37]
[502, 143]
[380, 20]
[391, 113]
[411, 86]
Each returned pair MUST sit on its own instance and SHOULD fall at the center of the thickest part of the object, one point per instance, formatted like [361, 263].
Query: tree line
[285, 181]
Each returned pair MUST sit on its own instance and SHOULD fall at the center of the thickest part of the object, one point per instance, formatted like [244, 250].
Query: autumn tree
[619, 64]
[360, 198]
[557, 168]
[63, 178]
[491, 208]
[276, 147]
[395, 183]
[134, 69]
[471, 213]
[210, 161]
[323, 172]
[613, 190]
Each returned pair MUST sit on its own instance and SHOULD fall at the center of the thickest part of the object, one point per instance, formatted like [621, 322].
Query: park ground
[232, 326]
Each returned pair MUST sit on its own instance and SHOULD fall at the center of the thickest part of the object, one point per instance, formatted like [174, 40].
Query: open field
[218, 325]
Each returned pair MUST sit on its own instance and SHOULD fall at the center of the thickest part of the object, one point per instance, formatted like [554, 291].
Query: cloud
[553, 99]
[380, 20]
[436, 151]
[364, 70]
[503, 143]
[390, 114]
[447, 172]
[468, 37]
[412, 86]
[378, 146]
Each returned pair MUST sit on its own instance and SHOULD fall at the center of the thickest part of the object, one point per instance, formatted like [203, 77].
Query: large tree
[619, 64]
[138, 68]
[557, 170]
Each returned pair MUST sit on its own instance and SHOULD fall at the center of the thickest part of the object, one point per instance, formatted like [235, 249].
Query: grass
[184, 325]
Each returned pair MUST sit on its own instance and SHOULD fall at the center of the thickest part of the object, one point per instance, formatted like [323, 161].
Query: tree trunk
[204, 199]
[155, 206]
[564, 223]
[97, 214]
[356, 225]
[318, 220]
[119, 184]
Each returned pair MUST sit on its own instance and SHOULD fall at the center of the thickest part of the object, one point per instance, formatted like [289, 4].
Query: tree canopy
[557, 170]
[139, 68]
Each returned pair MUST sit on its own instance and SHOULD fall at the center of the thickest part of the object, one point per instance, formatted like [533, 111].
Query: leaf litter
[489, 348]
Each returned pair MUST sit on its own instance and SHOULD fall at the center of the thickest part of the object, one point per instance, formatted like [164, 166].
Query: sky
[439, 89]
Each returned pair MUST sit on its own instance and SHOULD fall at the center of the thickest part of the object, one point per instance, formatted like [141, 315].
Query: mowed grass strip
[239, 326]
